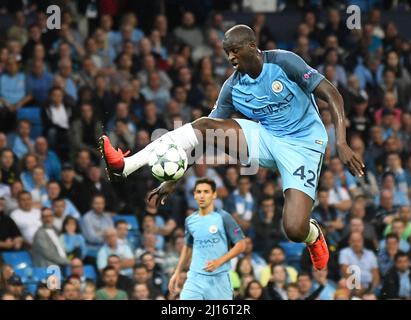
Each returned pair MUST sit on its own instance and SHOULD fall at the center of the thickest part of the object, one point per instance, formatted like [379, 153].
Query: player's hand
[172, 285]
[161, 193]
[212, 265]
[350, 159]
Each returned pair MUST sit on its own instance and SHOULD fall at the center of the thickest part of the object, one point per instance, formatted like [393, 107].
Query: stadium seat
[24, 274]
[131, 220]
[33, 114]
[18, 259]
[293, 252]
[31, 288]
[39, 274]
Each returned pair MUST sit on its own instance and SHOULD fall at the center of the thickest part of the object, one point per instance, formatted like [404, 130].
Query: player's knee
[295, 232]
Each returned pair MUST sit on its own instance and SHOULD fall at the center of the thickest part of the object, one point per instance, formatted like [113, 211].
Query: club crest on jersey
[277, 86]
[213, 229]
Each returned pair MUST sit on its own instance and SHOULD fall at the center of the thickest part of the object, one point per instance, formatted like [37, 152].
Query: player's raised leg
[187, 137]
[300, 228]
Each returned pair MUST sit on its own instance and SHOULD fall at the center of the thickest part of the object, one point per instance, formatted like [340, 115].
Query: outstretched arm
[329, 93]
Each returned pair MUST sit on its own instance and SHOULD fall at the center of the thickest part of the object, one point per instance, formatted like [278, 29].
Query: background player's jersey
[280, 98]
[210, 237]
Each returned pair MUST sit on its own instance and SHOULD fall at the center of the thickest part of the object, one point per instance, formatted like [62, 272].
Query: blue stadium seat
[39, 274]
[293, 252]
[131, 220]
[33, 114]
[24, 274]
[18, 259]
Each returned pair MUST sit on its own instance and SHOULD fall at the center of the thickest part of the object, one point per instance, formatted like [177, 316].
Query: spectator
[404, 214]
[96, 221]
[293, 292]
[277, 257]
[85, 131]
[276, 287]
[70, 291]
[122, 136]
[365, 259]
[328, 216]
[125, 237]
[397, 282]
[72, 240]
[13, 93]
[141, 292]
[124, 282]
[39, 189]
[95, 184]
[27, 218]
[110, 291]
[241, 204]
[356, 224]
[112, 246]
[187, 32]
[141, 275]
[398, 228]
[28, 163]
[321, 279]
[151, 120]
[39, 82]
[49, 158]
[47, 249]
[9, 172]
[254, 291]
[338, 196]
[155, 272]
[54, 192]
[21, 141]
[77, 270]
[72, 189]
[56, 118]
[10, 235]
[267, 223]
[89, 291]
[256, 260]
[12, 199]
[386, 255]
[305, 285]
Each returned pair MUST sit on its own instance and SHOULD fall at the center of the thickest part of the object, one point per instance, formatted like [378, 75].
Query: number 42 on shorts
[309, 179]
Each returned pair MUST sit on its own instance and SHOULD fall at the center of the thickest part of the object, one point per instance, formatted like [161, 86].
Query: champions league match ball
[168, 162]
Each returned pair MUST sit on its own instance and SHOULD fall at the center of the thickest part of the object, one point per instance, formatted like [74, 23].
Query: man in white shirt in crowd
[26, 217]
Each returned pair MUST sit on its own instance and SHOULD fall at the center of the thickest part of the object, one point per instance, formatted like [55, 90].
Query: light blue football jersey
[280, 98]
[211, 237]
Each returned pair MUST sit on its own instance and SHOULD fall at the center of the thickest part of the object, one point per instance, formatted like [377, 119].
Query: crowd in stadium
[60, 90]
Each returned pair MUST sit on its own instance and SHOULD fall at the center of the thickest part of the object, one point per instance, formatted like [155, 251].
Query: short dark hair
[22, 193]
[121, 221]
[400, 254]
[322, 189]
[107, 269]
[139, 266]
[392, 236]
[113, 256]
[208, 181]
[304, 274]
